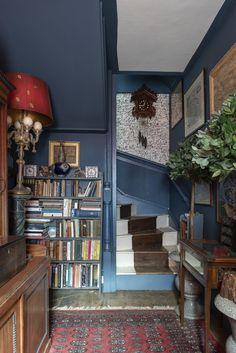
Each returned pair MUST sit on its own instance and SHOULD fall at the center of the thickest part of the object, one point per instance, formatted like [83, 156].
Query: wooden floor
[121, 299]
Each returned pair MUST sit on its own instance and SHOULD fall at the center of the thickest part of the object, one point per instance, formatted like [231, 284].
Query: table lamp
[29, 110]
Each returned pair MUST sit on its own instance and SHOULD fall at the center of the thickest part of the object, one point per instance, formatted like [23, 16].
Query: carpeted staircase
[143, 244]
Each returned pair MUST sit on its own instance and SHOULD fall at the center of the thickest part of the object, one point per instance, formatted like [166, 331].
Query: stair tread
[167, 229]
[159, 249]
[149, 232]
[125, 251]
[152, 270]
[125, 270]
[131, 218]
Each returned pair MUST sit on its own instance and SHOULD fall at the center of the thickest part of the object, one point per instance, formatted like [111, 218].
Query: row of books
[84, 188]
[75, 275]
[54, 188]
[74, 228]
[62, 208]
[74, 250]
[63, 187]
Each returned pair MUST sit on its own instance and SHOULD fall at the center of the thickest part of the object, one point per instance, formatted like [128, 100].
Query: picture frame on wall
[203, 193]
[222, 79]
[194, 105]
[71, 150]
[176, 105]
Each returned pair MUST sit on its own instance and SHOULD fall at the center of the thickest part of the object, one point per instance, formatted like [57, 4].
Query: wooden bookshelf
[64, 221]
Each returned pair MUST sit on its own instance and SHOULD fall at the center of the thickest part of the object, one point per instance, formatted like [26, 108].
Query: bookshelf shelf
[64, 221]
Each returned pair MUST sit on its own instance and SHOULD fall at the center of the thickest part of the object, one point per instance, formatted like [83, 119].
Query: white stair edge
[121, 227]
[162, 221]
[125, 271]
[169, 237]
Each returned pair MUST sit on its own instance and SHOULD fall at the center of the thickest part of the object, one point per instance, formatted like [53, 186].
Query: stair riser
[125, 259]
[139, 225]
[162, 221]
[124, 242]
[122, 227]
[146, 242]
[169, 239]
[151, 260]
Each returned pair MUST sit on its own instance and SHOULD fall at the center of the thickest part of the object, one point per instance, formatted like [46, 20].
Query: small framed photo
[91, 171]
[203, 193]
[30, 170]
[70, 149]
[194, 106]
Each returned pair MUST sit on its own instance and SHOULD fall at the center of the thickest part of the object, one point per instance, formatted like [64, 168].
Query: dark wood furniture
[5, 88]
[12, 257]
[24, 310]
[207, 261]
[23, 288]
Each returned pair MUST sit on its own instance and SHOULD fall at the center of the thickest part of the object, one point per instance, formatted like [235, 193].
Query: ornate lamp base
[20, 190]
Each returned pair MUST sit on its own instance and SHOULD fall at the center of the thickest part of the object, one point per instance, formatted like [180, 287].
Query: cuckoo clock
[143, 110]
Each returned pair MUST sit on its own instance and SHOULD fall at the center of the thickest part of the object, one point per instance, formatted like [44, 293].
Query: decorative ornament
[143, 109]
[61, 167]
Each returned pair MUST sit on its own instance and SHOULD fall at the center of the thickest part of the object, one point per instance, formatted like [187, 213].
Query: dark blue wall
[145, 181]
[92, 148]
[220, 37]
[62, 43]
[159, 83]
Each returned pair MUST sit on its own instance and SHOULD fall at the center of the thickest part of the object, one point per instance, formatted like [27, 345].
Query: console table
[207, 261]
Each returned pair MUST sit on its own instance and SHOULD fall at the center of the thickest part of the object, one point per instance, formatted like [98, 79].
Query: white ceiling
[161, 35]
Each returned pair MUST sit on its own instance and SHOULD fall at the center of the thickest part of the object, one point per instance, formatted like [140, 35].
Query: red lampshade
[31, 95]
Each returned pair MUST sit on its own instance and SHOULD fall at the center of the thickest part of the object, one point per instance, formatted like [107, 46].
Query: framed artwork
[91, 172]
[203, 193]
[176, 104]
[71, 151]
[194, 106]
[226, 198]
[223, 79]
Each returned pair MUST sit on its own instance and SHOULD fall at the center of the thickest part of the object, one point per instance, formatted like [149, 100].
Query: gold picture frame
[223, 79]
[194, 105]
[71, 150]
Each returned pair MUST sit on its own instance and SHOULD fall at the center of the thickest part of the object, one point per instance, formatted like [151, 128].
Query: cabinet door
[11, 334]
[36, 335]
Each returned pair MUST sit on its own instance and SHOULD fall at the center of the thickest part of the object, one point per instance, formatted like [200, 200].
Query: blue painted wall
[63, 44]
[220, 37]
[160, 83]
[144, 183]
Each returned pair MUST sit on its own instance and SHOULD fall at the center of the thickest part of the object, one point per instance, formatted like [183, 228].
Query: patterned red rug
[129, 331]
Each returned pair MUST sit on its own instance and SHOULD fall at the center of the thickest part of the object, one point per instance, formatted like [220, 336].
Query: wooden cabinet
[36, 316]
[11, 329]
[24, 321]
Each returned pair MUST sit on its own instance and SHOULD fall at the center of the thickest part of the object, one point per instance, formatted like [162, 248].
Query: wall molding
[141, 162]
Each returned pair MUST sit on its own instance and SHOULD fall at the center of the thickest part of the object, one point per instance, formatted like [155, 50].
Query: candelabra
[24, 133]
[29, 110]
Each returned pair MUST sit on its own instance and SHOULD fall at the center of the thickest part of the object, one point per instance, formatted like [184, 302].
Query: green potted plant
[214, 149]
[182, 166]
